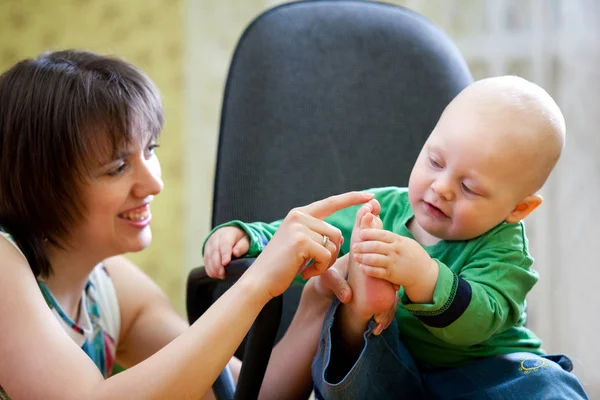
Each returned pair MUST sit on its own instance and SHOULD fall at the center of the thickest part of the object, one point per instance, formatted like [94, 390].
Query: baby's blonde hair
[540, 126]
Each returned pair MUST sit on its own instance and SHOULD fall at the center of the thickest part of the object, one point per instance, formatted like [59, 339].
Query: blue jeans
[386, 370]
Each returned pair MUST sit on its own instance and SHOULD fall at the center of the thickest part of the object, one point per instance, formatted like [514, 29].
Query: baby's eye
[467, 189]
[434, 163]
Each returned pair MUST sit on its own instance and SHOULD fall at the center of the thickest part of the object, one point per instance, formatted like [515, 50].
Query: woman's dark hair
[57, 112]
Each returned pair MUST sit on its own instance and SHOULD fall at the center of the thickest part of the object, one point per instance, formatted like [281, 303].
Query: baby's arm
[240, 239]
[399, 260]
[235, 239]
[483, 296]
[464, 304]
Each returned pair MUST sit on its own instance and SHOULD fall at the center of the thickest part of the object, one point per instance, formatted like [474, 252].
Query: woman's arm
[34, 346]
[289, 379]
[148, 320]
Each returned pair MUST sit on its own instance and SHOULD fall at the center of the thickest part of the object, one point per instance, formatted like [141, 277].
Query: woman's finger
[324, 208]
[329, 243]
[318, 230]
[321, 259]
[334, 281]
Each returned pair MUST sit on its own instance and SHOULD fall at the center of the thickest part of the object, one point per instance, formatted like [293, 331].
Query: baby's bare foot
[369, 295]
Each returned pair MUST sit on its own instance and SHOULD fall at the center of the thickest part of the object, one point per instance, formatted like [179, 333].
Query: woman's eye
[118, 170]
[150, 151]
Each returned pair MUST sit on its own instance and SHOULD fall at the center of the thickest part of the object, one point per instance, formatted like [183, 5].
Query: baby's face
[468, 176]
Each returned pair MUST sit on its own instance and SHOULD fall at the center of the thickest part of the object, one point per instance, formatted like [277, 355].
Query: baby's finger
[225, 249]
[241, 247]
[207, 254]
[373, 260]
[212, 257]
[375, 272]
[372, 246]
[378, 235]
[214, 263]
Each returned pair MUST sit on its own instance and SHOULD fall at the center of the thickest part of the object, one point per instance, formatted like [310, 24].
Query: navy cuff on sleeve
[455, 307]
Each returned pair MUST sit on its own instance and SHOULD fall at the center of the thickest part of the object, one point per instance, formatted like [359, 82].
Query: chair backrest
[324, 97]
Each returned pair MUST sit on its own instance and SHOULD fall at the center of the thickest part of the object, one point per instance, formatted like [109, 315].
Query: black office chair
[322, 97]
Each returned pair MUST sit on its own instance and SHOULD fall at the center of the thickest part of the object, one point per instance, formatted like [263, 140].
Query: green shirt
[479, 302]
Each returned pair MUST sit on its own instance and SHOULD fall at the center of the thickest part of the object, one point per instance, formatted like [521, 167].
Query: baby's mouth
[435, 211]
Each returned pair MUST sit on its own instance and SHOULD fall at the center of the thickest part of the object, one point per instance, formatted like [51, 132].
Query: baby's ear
[524, 208]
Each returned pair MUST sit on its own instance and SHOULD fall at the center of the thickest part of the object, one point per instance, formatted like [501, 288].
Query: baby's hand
[224, 243]
[397, 259]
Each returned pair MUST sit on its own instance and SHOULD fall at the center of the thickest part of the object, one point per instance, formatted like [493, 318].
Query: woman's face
[117, 200]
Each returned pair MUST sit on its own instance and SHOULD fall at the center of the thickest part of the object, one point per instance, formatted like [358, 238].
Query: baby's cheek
[470, 223]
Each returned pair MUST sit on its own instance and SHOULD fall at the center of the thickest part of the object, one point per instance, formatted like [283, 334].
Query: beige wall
[213, 28]
[148, 33]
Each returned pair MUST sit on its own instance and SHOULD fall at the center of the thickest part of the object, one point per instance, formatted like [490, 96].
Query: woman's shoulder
[134, 289]
[7, 238]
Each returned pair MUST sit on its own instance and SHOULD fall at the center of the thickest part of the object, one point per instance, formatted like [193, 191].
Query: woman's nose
[149, 181]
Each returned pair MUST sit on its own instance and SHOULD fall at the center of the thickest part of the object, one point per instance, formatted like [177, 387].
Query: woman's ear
[524, 208]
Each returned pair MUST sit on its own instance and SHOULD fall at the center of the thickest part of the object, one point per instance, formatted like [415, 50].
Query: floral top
[97, 328]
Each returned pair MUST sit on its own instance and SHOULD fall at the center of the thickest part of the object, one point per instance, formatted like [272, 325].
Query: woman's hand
[332, 283]
[303, 236]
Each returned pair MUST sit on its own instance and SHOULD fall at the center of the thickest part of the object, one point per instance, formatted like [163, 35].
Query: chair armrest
[202, 291]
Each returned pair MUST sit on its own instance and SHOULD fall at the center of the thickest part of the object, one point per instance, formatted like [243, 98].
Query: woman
[78, 174]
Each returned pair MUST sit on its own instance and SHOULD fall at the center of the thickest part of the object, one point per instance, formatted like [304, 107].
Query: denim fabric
[515, 376]
[386, 370]
[224, 386]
